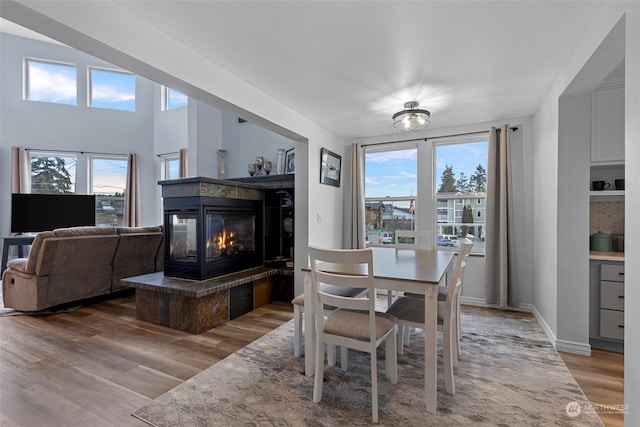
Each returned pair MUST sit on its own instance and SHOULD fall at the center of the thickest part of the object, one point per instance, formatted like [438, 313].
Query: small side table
[20, 242]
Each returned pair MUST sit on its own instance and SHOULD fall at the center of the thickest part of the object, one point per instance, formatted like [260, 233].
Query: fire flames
[224, 243]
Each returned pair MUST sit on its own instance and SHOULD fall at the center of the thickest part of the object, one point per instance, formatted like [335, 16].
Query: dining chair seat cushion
[355, 324]
[412, 310]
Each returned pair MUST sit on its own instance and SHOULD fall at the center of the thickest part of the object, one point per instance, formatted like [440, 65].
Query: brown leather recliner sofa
[71, 264]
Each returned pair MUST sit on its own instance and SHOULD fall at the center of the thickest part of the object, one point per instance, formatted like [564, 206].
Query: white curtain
[501, 287]
[183, 169]
[20, 179]
[355, 235]
[132, 194]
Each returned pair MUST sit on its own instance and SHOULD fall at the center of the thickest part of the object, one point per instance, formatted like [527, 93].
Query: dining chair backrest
[458, 269]
[351, 268]
[413, 239]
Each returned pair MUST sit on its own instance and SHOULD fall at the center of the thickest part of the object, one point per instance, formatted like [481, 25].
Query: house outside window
[436, 185]
[48, 81]
[390, 189]
[112, 89]
[108, 177]
[461, 177]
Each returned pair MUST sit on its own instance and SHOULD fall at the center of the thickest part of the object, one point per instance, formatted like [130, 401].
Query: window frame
[426, 198]
[165, 98]
[44, 153]
[27, 79]
[90, 85]
[90, 174]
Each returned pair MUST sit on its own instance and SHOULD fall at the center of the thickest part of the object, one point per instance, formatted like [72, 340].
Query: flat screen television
[31, 213]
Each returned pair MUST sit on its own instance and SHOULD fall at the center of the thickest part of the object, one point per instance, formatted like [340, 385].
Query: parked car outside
[448, 240]
[386, 238]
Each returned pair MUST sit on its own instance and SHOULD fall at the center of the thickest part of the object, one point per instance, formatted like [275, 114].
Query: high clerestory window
[112, 89]
[171, 99]
[49, 81]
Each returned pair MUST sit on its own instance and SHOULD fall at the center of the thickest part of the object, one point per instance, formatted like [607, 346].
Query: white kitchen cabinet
[607, 124]
[612, 301]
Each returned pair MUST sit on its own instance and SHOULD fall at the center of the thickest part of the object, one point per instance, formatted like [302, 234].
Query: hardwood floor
[601, 377]
[96, 365]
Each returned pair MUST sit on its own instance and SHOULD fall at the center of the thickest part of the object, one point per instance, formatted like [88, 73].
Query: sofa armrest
[18, 264]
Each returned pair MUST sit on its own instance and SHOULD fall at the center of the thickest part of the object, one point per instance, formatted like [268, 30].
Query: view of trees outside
[53, 174]
[460, 179]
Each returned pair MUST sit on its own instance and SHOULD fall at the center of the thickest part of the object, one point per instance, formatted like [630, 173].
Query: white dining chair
[409, 239]
[298, 311]
[410, 313]
[442, 296]
[354, 324]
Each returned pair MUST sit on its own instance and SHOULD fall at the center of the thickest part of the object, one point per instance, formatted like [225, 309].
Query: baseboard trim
[573, 347]
[480, 302]
[545, 327]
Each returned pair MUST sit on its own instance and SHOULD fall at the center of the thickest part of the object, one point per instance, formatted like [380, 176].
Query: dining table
[418, 271]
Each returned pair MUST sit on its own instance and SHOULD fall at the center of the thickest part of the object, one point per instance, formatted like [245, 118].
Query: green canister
[600, 242]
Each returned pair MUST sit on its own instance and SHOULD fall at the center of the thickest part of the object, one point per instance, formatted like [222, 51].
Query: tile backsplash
[607, 217]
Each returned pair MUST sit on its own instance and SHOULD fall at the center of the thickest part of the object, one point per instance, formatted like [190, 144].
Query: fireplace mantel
[210, 187]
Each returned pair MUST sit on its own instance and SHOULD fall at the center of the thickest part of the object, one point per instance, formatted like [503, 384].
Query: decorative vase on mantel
[221, 154]
[280, 164]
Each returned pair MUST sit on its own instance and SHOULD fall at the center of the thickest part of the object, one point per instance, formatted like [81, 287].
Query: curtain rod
[513, 128]
[46, 150]
[166, 154]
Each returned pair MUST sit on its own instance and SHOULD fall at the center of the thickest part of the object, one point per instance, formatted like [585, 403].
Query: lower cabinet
[612, 301]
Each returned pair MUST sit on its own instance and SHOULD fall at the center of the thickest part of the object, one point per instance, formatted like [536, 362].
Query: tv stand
[20, 241]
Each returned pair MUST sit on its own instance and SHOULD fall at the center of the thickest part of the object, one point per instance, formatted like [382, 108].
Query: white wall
[250, 141]
[143, 50]
[46, 126]
[551, 292]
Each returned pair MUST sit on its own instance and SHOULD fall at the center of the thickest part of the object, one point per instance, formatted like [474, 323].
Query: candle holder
[267, 167]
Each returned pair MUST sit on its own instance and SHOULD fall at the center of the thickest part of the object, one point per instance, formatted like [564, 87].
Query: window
[111, 89]
[461, 178]
[436, 185]
[108, 177]
[390, 192]
[171, 99]
[53, 173]
[50, 82]
[170, 168]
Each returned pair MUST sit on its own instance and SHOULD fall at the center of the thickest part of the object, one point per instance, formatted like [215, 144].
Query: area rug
[509, 375]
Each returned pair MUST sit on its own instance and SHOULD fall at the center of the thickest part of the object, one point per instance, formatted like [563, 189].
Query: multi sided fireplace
[211, 228]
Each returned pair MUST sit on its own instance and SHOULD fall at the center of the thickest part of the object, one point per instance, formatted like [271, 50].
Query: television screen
[31, 213]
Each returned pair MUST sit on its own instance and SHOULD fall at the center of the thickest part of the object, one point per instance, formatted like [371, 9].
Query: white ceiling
[349, 65]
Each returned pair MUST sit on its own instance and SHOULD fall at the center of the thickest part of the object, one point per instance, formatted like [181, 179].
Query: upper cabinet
[607, 124]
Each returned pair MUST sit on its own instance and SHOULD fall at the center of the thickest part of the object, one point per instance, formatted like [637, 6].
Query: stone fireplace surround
[197, 305]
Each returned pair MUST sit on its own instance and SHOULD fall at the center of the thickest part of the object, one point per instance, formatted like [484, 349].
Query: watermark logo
[573, 409]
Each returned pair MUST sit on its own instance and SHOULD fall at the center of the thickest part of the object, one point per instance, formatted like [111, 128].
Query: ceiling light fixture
[411, 118]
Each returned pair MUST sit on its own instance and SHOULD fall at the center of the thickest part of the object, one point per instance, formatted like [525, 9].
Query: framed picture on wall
[290, 161]
[330, 165]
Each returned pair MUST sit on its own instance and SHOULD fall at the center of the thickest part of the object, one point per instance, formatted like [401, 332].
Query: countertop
[606, 256]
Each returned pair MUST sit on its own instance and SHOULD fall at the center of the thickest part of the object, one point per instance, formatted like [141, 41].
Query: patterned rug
[509, 376]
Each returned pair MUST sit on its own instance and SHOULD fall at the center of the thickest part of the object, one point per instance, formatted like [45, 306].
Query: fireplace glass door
[229, 234]
[183, 232]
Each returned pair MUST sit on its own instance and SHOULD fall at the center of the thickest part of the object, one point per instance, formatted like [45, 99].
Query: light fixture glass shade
[411, 118]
